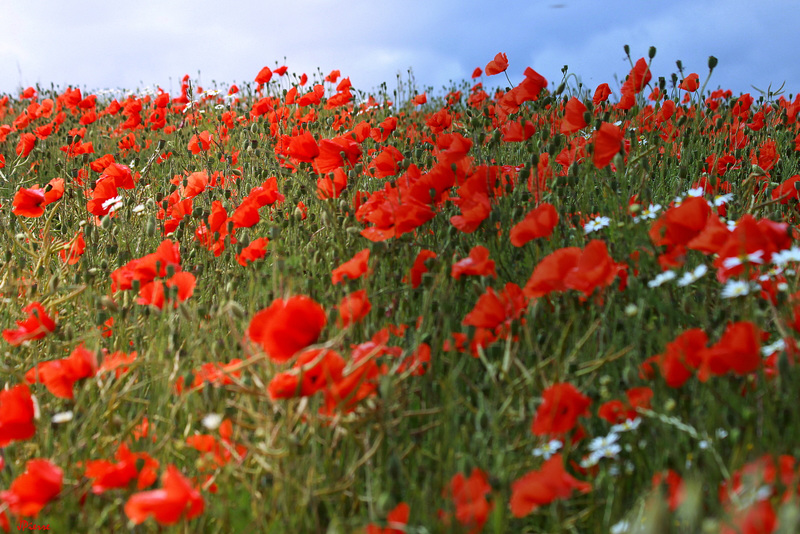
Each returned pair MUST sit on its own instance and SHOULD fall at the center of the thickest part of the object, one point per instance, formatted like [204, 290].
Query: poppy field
[289, 305]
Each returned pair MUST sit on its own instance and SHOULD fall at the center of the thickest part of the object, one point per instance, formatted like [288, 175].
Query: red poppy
[476, 264]
[16, 415]
[549, 274]
[676, 491]
[470, 498]
[543, 486]
[303, 147]
[36, 326]
[59, 376]
[332, 186]
[26, 143]
[200, 142]
[691, 83]
[594, 269]
[681, 357]
[219, 450]
[72, 255]
[29, 202]
[32, 490]
[353, 308]
[497, 65]
[419, 268]
[106, 475]
[257, 249]
[396, 521]
[167, 505]
[154, 293]
[737, 351]
[477, 73]
[313, 371]
[352, 269]
[601, 94]
[559, 412]
[287, 326]
[497, 309]
[573, 117]
[607, 144]
[264, 75]
[539, 222]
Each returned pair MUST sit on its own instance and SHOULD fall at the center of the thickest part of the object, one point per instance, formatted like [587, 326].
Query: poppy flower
[29, 202]
[32, 490]
[16, 415]
[573, 117]
[396, 520]
[153, 293]
[59, 376]
[303, 147]
[496, 309]
[737, 351]
[549, 273]
[594, 269]
[691, 83]
[36, 326]
[76, 249]
[200, 142]
[539, 222]
[476, 264]
[176, 498]
[419, 268]
[477, 73]
[681, 357]
[106, 475]
[257, 249]
[601, 94]
[543, 486]
[313, 371]
[26, 143]
[353, 308]
[353, 268]
[287, 326]
[497, 65]
[674, 485]
[264, 75]
[470, 498]
[221, 449]
[607, 144]
[559, 412]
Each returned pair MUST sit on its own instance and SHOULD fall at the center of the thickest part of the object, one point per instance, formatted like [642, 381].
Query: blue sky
[110, 44]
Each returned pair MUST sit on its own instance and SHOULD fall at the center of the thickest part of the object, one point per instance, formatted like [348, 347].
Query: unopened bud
[712, 62]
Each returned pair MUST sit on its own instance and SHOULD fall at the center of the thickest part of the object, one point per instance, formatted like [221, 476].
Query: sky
[109, 44]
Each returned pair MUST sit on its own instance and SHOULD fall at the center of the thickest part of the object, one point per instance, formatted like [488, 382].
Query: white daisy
[649, 213]
[735, 288]
[603, 442]
[696, 192]
[666, 276]
[721, 200]
[691, 277]
[735, 261]
[770, 349]
[783, 257]
[112, 204]
[212, 421]
[548, 449]
[596, 224]
[629, 424]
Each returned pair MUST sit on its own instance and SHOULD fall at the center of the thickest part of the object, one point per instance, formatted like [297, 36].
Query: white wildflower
[666, 276]
[649, 213]
[696, 192]
[629, 424]
[777, 346]
[721, 200]
[62, 417]
[112, 204]
[783, 257]
[691, 277]
[596, 224]
[212, 421]
[603, 441]
[736, 288]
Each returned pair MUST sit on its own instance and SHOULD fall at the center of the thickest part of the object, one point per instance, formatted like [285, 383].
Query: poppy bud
[652, 52]
[712, 62]
[627, 49]
[560, 88]
[106, 222]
